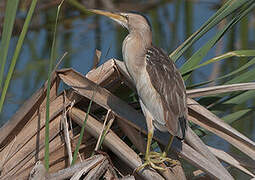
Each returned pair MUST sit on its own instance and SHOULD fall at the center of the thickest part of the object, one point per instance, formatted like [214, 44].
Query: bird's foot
[162, 157]
[155, 160]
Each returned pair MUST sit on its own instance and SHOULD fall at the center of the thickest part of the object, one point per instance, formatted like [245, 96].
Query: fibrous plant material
[84, 166]
[67, 137]
[122, 110]
[27, 110]
[105, 129]
[38, 172]
[27, 147]
[211, 122]
[114, 143]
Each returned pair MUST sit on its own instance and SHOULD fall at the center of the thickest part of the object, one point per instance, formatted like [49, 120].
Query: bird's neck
[134, 49]
[144, 37]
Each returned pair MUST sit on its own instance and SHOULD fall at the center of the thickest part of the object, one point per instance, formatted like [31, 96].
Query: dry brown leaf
[230, 160]
[105, 75]
[109, 72]
[220, 89]
[92, 172]
[30, 131]
[191, 137]
[195, 142]
[128, 178]
[70, 171]
[13, 126]
[113, 142]
[67, 138]
[38, 172]
[123, 111]
[96, 58]
[22, 157]
[97, 171]
[206, 119]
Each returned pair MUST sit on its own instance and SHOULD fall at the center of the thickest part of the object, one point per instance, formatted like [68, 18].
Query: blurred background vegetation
[80, 33]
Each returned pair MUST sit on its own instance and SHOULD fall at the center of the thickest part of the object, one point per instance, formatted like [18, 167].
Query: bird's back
[166, 99]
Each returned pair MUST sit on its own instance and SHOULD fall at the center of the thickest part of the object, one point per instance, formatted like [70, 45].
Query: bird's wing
[167, 81]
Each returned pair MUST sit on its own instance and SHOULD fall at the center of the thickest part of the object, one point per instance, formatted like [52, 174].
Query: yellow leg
[148, 147]
[153, 159]
[168, 146]
[149, 157]
[162, 157]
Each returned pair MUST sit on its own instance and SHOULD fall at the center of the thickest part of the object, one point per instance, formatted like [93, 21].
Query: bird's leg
[170, 142]
[148, 161]
[154, 159]
[149, 157]
[147, 153]
[162, 157]
[164, 154]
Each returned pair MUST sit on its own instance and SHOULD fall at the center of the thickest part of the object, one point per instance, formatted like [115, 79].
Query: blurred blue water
[81, 37]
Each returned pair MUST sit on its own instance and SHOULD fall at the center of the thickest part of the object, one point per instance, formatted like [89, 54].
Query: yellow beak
[114, 16]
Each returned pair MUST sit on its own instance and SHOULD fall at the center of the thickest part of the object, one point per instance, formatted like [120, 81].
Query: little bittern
[158, 82]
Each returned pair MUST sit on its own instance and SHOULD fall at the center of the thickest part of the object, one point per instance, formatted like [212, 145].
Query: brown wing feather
[168, 82]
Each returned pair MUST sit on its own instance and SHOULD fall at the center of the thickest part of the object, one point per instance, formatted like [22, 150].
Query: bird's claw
[155, 159]
[152, 162]
[161, 158]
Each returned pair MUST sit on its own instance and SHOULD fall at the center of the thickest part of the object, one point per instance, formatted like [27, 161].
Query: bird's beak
[118, 17]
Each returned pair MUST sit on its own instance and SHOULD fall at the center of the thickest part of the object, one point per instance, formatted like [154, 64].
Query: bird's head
[133, 21]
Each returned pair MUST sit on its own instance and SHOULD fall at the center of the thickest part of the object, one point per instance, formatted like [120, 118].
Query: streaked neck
[134, 49]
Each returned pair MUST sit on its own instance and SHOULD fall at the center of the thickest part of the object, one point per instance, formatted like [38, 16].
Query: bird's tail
[183, 127]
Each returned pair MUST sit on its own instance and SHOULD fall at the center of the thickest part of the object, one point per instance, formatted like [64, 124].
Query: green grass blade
[17, 52]
[245, 77]
[52, 58]
[79, 6]
[201, 53]
[82, 132]
[105, 131]
[248, 64]
[10, 14]
[244, 36]
[239, 99]
[189, 11]
[85, 121]
[228, 8]
[238, 53]
[200, 84]
[197, 35]
[230, 118]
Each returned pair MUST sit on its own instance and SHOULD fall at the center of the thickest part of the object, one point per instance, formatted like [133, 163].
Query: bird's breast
[151, 99]
[134, 57]
[134, 51]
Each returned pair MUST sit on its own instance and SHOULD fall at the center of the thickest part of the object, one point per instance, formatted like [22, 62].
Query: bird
[159, 84]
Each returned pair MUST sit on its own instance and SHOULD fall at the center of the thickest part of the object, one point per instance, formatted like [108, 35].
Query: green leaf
[82, 131]
[9, 17]
[52, 58]
[17, 52]
[201, 53]
[78, 6]
[206, 101]
[242, 98]
[230, 118]
[245, 76]
[228, 8]
[238, 53]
